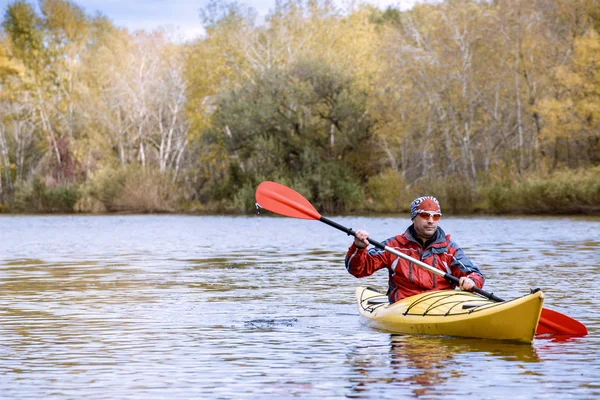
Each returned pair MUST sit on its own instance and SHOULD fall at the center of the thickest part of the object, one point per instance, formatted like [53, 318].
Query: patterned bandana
[425, 203]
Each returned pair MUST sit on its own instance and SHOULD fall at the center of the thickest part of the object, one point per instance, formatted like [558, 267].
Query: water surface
[179, 307]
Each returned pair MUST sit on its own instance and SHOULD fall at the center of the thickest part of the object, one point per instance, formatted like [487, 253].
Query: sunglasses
[426, 215]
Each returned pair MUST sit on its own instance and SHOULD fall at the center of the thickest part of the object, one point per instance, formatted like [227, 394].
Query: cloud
[180, 16]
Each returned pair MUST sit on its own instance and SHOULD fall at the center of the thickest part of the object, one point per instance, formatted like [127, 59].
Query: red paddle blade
[556, 323]
[282, 200]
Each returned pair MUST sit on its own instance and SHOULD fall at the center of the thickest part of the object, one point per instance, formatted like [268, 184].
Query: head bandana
[425, 203]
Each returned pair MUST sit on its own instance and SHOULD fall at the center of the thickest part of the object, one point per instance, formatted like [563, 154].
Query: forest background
[492, 106]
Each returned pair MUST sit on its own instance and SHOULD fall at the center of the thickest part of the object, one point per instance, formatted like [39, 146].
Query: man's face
[425, 225]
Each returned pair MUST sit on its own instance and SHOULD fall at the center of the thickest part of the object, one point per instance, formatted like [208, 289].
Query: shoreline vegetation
[139, 192]
[490, 106]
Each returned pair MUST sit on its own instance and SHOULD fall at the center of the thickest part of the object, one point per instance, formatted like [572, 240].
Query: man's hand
[360, 239]
[466, 284]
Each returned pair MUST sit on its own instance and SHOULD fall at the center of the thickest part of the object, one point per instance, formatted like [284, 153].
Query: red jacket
[407, 279]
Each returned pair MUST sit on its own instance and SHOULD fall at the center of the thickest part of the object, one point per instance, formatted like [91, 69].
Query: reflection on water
[234, 307]
[433, 362]
[427, 366]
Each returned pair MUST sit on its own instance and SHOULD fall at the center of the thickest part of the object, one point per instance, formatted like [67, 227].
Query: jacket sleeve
[462, 266]
[362, 262]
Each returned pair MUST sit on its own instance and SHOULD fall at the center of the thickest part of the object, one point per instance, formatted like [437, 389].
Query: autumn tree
[48, 45]
[571, 115]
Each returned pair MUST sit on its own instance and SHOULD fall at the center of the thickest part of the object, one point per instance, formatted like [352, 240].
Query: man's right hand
[361, 239]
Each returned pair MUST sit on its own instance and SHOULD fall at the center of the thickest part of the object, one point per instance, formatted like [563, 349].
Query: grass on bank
[131, 190]
[135, 190]
[561, 192]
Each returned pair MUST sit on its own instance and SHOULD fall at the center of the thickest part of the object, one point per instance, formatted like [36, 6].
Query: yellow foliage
[387, 192]
[8, 66]
[351, 44]
[12, 73]
[575, 110]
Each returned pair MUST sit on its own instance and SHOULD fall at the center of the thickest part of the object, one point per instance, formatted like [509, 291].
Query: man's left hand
[466, 284]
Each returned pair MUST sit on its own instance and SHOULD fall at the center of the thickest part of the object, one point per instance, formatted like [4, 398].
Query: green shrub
[333, 188]
[134, 189]
[387, 192]
[495, 196]
[244, 200]
[36, 196]
[105, 185]
[561, 192]
[4, 208]
[456, 195]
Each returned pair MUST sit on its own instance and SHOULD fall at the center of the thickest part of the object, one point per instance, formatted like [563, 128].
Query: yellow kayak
[452, 313]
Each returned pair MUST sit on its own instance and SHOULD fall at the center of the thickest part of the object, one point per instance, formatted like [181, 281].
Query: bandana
[425, 203]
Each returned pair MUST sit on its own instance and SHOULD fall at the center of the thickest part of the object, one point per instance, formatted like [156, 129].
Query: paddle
[282, 200]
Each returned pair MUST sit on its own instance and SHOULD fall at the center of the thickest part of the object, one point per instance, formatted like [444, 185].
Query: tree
[280, 125]
[49, 46]
[572, 113]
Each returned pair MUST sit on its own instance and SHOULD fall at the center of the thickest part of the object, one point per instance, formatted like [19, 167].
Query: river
[179, 307]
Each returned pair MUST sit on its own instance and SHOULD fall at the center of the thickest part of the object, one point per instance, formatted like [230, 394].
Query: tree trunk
[6, 162]
[122, 152]
[519, 118]
[142, 155]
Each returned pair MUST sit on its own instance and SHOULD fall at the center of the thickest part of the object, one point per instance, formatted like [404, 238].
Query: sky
[180, 16]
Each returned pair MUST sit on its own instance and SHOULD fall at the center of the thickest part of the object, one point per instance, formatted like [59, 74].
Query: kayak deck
[452, 313]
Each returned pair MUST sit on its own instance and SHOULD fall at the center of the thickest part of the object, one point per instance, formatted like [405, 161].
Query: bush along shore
[569, 192]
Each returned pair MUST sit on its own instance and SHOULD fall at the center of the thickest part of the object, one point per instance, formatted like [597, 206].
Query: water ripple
[153, 307]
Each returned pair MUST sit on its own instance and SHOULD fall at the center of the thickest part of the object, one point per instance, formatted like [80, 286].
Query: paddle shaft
[448, 277]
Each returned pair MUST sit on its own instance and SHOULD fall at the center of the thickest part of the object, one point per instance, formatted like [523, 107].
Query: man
[426, 242]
